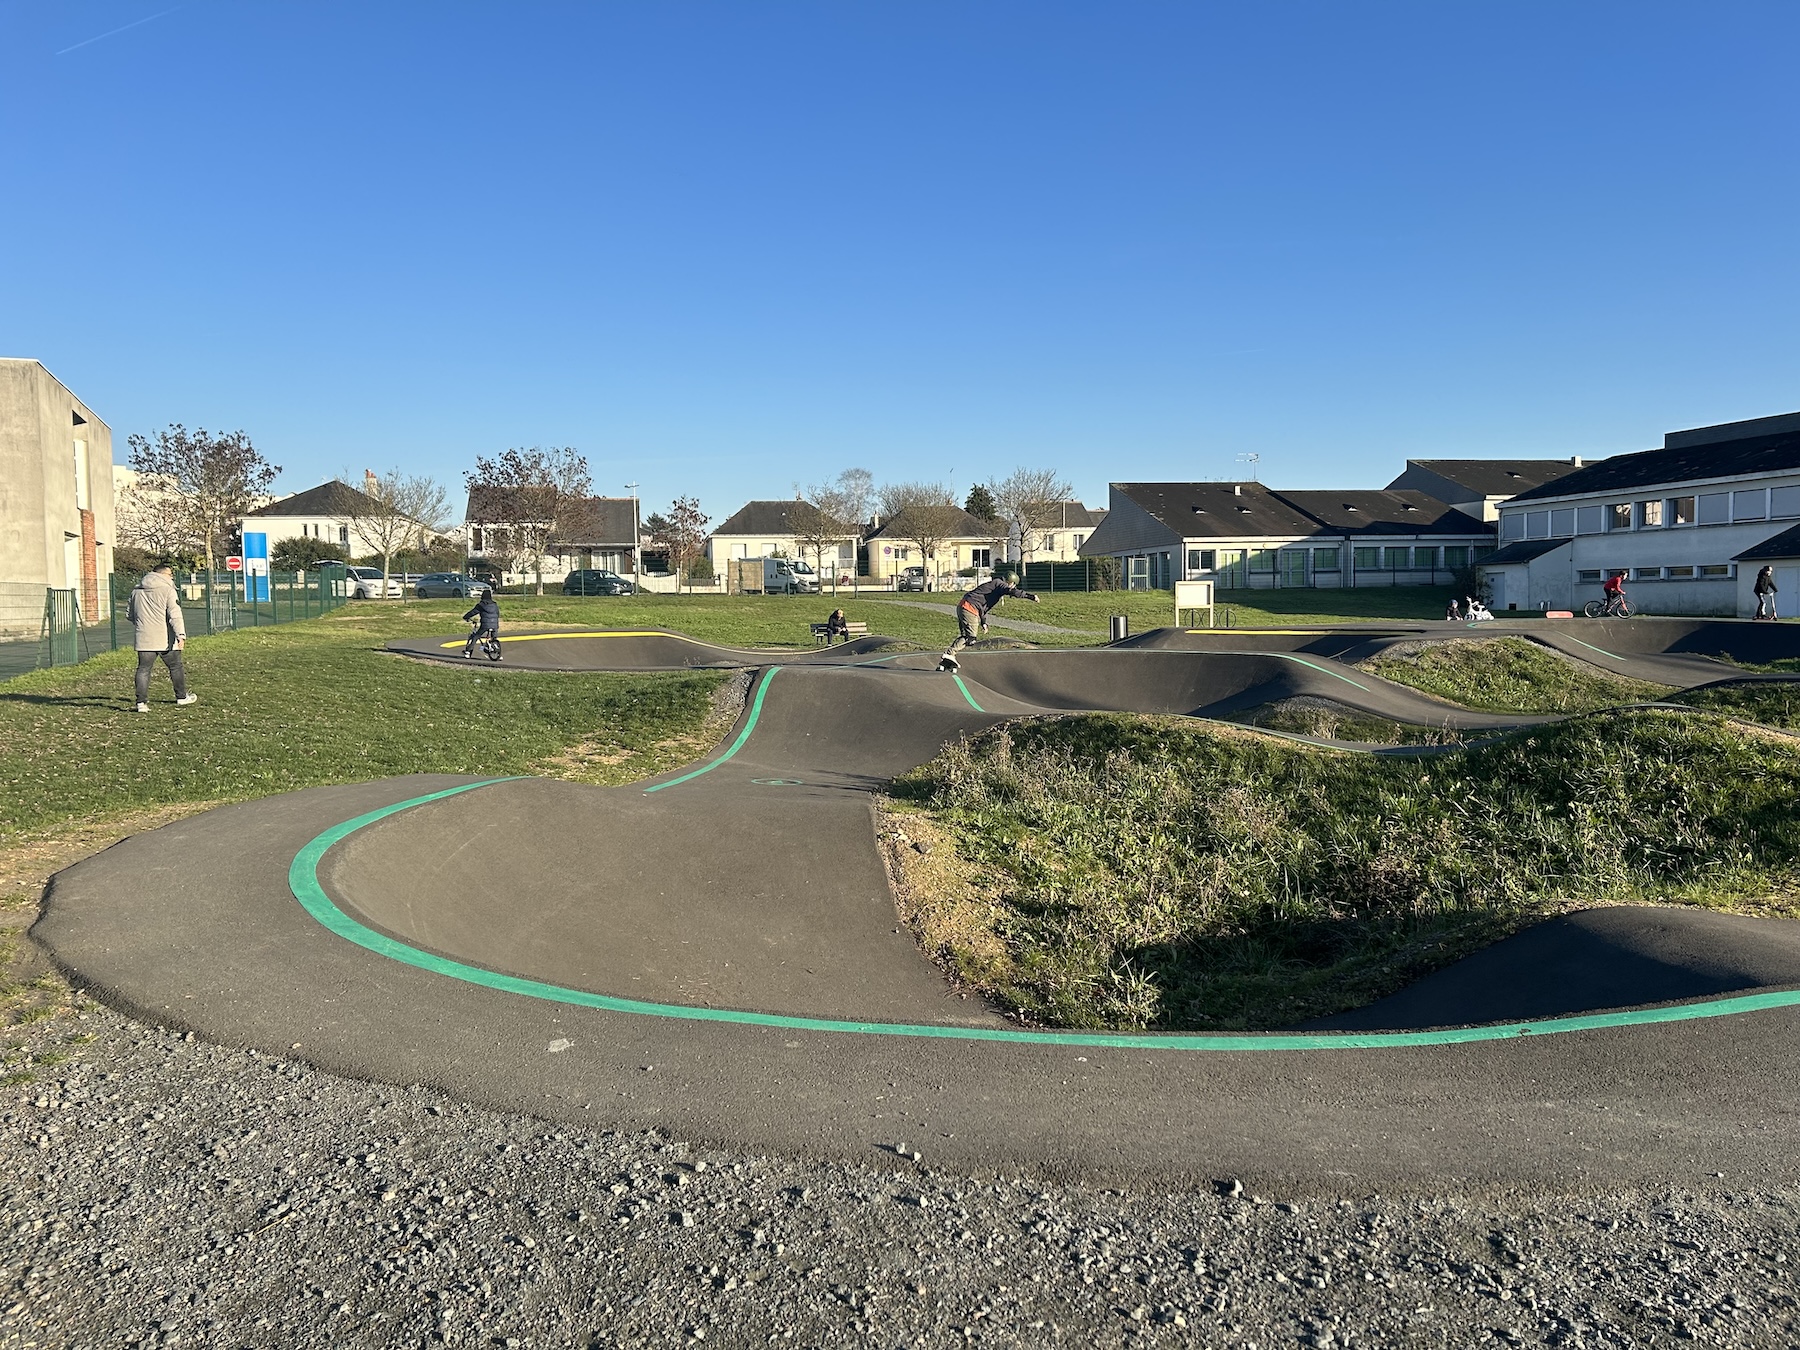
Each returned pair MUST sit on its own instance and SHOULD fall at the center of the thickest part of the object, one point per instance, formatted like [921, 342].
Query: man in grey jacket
[155, 614]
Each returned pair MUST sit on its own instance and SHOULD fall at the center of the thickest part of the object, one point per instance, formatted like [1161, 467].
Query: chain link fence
[43, 626]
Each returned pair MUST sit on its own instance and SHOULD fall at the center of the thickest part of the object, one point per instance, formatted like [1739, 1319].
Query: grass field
[1130, 872]
[1509, 675]
[1772, 705]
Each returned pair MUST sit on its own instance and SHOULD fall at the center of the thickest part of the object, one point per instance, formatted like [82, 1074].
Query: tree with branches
[823, 519]
[980, 503]
[518, 494]
[395, 513]
[1029, 501]
[685, 533]
[152, 517]
[214, 480]
[922, 514]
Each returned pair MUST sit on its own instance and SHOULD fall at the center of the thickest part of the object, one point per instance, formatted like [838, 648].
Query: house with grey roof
[1676, 521]
[328, 512]
[587, 532]
[1246, 536]
[1476, 487]
[769, 529]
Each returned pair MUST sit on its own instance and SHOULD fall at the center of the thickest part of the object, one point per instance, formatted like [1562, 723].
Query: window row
[1681, 572]
[1301, 561]
[1653, 513]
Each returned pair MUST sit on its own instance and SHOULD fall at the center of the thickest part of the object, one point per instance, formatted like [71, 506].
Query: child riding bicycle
[486, 618]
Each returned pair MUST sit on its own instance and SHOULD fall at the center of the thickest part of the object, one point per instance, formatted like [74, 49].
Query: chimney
[371, 481]
[1237, 489]
[1575, 460]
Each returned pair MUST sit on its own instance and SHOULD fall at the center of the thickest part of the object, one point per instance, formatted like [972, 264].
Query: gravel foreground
[163, 1191]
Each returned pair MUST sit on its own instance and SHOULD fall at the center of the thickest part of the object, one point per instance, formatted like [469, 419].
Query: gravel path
[164, 1191]
[994, 621]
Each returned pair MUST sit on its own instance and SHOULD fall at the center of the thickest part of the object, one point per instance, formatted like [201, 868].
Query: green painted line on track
[737, 745]
[1313, 665]
[1592, 648]
[303, 881]
[966, 694]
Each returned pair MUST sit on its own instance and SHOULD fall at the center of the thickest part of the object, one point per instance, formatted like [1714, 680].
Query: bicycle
[1618, 608]
[490, 645]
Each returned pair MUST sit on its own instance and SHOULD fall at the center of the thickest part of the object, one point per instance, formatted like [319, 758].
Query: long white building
[1681, 523]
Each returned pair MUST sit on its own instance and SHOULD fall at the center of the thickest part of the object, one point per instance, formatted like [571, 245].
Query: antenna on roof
[1252, 458]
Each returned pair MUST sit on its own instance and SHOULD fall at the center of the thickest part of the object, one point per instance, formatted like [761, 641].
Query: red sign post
[234, 563]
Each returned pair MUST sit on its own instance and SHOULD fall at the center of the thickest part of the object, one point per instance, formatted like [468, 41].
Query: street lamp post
[637, 537]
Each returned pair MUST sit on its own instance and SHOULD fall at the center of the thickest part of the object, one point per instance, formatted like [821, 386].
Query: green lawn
[1775, 704]
[1509, 675]
[319, 702]
[1114, 871]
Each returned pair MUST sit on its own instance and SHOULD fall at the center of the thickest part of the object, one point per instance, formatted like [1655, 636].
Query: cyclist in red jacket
[1614, 591]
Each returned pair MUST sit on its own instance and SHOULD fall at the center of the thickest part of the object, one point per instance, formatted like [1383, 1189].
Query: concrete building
[1245, 536]
[1476, 487]
[56, 493]
[1677, 521]
[768, 529]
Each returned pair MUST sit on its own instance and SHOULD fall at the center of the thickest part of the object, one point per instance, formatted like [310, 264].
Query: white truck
[771, 576]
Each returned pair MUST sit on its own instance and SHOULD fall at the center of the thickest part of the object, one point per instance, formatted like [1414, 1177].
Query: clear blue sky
[724, 247]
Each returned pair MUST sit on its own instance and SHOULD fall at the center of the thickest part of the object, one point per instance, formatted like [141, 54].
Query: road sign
[234, 564]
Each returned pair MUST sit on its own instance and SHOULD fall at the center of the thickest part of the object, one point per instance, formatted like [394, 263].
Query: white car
[365, 584]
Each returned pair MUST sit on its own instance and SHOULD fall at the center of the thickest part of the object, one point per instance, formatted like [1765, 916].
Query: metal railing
[210, 603]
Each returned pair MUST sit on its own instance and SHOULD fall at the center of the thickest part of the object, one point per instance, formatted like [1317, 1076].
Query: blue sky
[728, 247]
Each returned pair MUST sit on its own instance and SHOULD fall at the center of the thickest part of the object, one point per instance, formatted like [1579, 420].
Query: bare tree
[823, 518]
[685, 532]
[857, 491]
[396, 512]
[217, 479]
[1029, 501]
[152, 516]
[922, 514]
[519, 494]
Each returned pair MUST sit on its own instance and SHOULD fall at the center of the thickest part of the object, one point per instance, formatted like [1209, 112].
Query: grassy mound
[1331, 721]
[1508, 675]
[1118, 871]
[1773, 704]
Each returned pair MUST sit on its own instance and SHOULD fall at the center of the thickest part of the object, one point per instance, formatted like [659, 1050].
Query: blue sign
[256, 566]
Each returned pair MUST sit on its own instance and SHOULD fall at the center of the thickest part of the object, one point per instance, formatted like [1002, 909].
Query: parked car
[912, 579]
[486, 573]
[596, 581]
[805, 579]
[437, 585]
[364, 583]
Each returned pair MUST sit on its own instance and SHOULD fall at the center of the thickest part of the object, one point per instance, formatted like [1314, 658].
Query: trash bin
[1121, 627]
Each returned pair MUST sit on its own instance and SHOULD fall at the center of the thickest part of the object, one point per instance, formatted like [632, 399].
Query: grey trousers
[968, 628]
[147, 663]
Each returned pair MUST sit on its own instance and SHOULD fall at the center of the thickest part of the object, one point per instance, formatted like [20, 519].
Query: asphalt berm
[715, 952]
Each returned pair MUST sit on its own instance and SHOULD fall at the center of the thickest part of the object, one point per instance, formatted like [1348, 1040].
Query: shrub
[303, 555]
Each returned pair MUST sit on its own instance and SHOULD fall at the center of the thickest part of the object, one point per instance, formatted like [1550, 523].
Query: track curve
[749, 884]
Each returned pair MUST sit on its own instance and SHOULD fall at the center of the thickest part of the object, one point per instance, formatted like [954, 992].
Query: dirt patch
[603, 761]
[939, 895]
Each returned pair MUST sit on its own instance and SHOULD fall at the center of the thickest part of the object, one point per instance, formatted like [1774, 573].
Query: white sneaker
[143, 707]
[183, 702]
[949, 663]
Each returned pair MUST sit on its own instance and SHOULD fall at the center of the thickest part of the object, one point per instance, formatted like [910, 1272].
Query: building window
[981, 557]
[1367, 559]
[1076, 541]
[1591, 575]
[1650, 514]
[740, 550]
[1715, 570]
[1537, 525]
[343, 539]
[1680, 573]
[1784, 502]
[1262, 560]
[1456, 556]
[1397, 559]
[1590, 520]
[1618, 516]
[1325, 560]
[1512, 525]
[81, 475]
[1750, 504]
[1681, 510]
[475, 540]
[1714, 507]
[1562, 522]
[1293, 566]
[846, 553]
[1648, 573]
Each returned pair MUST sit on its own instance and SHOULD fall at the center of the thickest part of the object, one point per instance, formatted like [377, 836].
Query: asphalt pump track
[715, 953]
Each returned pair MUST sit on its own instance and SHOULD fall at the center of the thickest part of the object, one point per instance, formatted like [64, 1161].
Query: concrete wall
[47, 537]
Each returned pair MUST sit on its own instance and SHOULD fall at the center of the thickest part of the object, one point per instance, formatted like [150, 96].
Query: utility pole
[637, 536]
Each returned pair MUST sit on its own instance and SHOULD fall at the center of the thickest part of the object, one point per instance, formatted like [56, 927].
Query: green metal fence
[1087, 574]
[210, 603]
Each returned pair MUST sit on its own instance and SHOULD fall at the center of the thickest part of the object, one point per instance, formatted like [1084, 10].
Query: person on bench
[837, 626]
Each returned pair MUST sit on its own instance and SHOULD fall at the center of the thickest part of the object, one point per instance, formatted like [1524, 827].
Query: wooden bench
[855, 630]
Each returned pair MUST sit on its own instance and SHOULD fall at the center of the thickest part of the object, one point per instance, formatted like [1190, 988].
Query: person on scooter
[486, 617]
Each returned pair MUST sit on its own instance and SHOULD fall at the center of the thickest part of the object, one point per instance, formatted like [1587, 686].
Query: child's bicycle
[1618, 608]
[490, 645]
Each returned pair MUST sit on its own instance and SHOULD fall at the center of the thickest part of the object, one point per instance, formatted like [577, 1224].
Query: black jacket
[990, 593]
[489, 612]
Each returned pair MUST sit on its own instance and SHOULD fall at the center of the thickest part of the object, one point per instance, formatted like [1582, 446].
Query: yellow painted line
[650, 632]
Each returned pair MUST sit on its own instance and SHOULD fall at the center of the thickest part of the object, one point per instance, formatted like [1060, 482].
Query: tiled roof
[1219, 510]
[1784, 545]
[1524, 550]
[584, 522]
[766, 518]
[1499, 477]
[1776, 453]
[966, 526]
[327, 499]
[1383, 513]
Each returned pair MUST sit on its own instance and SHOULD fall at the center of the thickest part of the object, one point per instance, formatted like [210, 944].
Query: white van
[784, 576]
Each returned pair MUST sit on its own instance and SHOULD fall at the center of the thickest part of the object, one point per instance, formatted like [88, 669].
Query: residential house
[1677, 521]
[587, 532]
[969, 543]
[56, 497]
[768, 529]
[1476, 487]
[328, 512]
[1247, 536]
[1058, 539]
